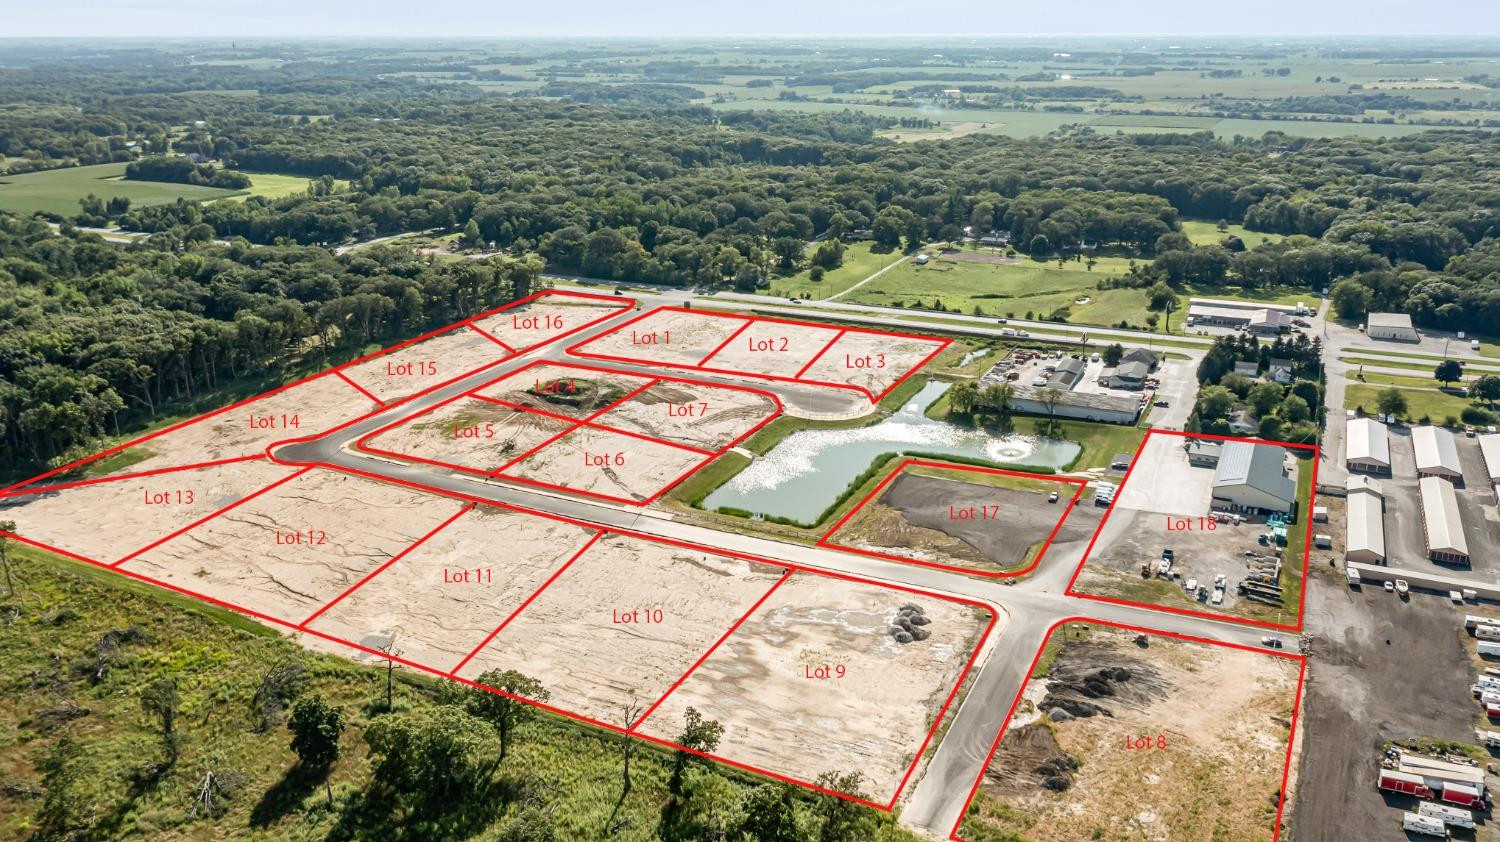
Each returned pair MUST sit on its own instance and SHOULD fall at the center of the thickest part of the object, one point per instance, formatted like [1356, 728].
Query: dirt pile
[1033, 760]
[909, 624]
[1089, 679]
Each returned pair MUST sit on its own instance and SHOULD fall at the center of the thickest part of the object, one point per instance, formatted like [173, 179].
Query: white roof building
[1365, 542]
[1390, 326]
[1367, 446]
[1489, 448]
[1437, 454]
[1253, 476]
[1441, 523]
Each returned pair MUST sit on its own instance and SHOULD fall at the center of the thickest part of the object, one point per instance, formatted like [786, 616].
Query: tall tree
[316, 727]
[505, 713]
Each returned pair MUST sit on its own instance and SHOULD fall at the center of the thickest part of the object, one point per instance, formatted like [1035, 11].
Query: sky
[655, 18]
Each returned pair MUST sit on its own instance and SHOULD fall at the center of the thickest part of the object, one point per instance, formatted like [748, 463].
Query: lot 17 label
[971, 512]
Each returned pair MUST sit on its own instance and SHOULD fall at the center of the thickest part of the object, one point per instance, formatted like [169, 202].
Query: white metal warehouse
[1442, 525]
[1253, 476]
[1437, 454]
[1395, 326]
[1489, 448]
[1366, 536]
[1367, 446]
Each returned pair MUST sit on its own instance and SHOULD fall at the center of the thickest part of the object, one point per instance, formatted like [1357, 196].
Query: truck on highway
[1423, 825]
[1455, 816]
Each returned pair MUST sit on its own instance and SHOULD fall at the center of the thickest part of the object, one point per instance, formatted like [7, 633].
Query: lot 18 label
[1191, 524]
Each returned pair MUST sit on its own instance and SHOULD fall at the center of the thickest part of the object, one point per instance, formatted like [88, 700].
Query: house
[1243, 423]
[1367, 446]
[1131, 375]
[1249, 369]
[1365, 539]
[1392, 326]
[1442, 525]
[1281, 371]
[1202, 453]
[1141, 355]
[1436, 452]
[1253, 477]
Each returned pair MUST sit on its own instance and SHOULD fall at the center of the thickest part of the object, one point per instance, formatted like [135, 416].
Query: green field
[1205, 233]
[860, 261]
[1420, 402]
[58, 191]
[274, 186]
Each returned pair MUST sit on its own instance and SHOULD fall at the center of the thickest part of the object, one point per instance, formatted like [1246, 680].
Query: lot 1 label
[651, 337]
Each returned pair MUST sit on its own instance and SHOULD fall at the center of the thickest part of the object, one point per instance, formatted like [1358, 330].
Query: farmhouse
[1393, 326]
[1441, 523]
[1365, 542]
[1437, 455]
[1367, 446]
[1253, 477]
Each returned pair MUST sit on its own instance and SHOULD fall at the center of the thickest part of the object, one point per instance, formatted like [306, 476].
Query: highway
[1026, 608]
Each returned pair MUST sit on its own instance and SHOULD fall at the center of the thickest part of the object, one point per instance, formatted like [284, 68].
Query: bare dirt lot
[990, 257]
[779, 349]
[1173, 741]
[107, 520]
[697, 415]
[422, 365]
[442, 599]
[672, 337]
[593, 637]
[953, 521]
[469, 433]
[870, 361]
[605, 463]
[294, 548]
[546, 318]
[563, 390]
[869, 715]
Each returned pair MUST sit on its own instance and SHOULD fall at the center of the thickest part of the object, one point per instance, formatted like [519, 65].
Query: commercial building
[1131, 375]
[1394, 326]
[1253, 477]
[1086, 406]
[1068, 374]
[1203, 453]
[1367, 446]
[1365, 542]
[1264, 321]
[1141, 355]
[1437, 454]
[1442, 525]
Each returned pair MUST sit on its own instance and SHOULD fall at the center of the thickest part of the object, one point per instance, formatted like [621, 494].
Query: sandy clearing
[422, 365]
[698, 415]
[872, 720]
[606, 463]
[1222, 720]
[569, 640]
[672, 337]
[546, 318]
[442, 599]
[108, 520]
[344, 527]
[470, 433]
[563, 390]
[870, 361]
[779, 349]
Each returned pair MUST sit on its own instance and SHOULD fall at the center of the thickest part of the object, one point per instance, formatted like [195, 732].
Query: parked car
[1401, 587]
[1052, 498]
[1161, 403]
[1271, 642]
[1390, 586]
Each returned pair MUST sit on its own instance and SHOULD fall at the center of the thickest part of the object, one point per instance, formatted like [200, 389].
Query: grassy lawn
[274, 186]
[1100, 441]
[1398, 380]
[1207, 233]
[58, 191]
[859, 263]
[1429, 402]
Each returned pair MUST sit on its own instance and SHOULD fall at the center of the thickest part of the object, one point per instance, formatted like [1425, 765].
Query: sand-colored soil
[666, 336]
[606, 463]
[1217, 720]
[697, 415]
[563, 390]
[422, 365]
[106, 521]
[469, 433]
[569, 640]
[872, 720]
[771, 348]
[545, 319]
[443, 598]
[870, 361]
[344, 527]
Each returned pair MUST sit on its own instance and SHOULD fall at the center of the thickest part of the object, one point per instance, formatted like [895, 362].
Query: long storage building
[1437, 454]
[1489, 448]
[1367, 446]
[1442, 525]
[1366, 528]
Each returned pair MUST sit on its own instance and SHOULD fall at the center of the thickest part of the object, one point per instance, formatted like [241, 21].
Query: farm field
[1193, 764]
[860, 261]
[59, 191]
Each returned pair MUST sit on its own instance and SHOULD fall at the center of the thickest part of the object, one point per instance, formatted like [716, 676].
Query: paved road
[1028, 608]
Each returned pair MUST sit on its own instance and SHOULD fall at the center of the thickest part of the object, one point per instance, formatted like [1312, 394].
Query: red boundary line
[490, 336]
[381, 569]
[786, 574]
[363, 444]
[43, 489]
[942, 344]
[556, 574]
[1291, 739]
[362, 390]
[208, 517]
[827, 540]
[623, 304]
[717, 348]
[1306, 513]
[818, 356]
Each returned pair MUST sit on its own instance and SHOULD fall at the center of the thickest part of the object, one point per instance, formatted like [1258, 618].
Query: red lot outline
[633, 730]
[827, 540]
[1291, 738]
[840, 331]
[1304, 512]
[576, 424]
[337, 371]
